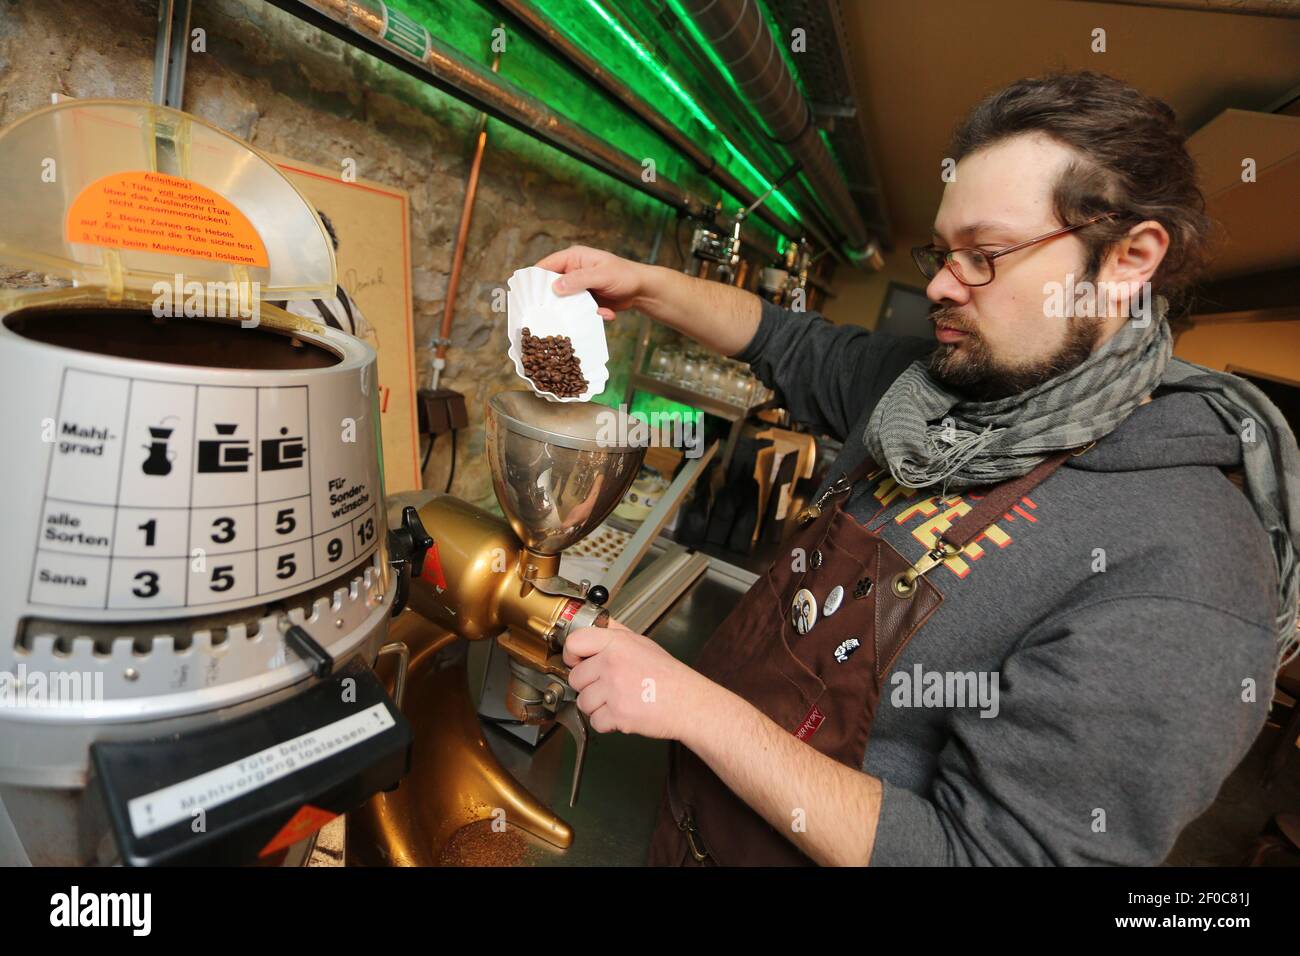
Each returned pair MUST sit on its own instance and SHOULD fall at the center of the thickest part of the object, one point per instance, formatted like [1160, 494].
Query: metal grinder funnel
[558, 468]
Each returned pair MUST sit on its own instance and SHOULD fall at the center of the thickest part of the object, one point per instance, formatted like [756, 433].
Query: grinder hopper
[558, 469]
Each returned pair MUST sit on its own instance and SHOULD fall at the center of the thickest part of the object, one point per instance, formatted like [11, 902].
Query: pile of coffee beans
[551, 364]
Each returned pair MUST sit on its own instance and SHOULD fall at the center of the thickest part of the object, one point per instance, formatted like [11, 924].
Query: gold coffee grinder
[558, 469]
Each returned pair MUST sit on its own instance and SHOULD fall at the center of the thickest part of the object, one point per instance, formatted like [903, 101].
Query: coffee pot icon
[160, 457]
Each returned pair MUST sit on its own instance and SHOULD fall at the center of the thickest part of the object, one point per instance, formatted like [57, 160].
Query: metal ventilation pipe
[645, 111]
[739, 35]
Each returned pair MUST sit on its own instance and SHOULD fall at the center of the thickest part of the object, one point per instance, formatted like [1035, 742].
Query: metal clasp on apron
[905, 583]
[814, 510]
[693, 842]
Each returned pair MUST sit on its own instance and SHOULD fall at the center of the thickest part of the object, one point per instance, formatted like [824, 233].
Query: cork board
[373, 223]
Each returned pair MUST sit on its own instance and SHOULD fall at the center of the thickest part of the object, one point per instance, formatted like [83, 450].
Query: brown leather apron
[822, 685]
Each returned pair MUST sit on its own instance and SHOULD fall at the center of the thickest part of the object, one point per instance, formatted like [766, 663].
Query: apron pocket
[740, 636]
[792, 689]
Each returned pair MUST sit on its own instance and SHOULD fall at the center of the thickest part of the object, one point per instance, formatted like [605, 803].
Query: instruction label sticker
[181, 801]
[164, 215]
[167, 495]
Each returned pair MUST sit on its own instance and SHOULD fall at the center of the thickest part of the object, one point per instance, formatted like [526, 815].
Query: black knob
[421, 540]
[407, 545]
[598, 595]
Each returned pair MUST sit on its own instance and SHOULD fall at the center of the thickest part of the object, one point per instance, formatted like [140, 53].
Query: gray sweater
[1121, 613]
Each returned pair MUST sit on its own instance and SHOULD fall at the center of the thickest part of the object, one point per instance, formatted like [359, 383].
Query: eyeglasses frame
[990, 256]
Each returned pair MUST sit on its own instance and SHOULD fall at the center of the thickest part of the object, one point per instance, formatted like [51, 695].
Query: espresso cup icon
[160, 457]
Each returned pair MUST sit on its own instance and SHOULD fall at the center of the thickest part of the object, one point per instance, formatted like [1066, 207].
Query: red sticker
[810, 724]
[303, 824]
[432, 571]
[570, 609]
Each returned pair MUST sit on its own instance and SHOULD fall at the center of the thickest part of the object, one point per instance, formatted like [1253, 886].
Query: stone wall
[291, 89]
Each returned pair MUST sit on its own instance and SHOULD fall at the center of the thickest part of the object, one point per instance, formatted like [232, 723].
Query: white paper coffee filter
[532, 304]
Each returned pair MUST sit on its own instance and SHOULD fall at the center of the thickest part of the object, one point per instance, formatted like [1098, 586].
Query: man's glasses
[974, 267]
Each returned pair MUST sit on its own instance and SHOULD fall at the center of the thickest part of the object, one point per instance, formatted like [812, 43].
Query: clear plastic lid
[124, 194]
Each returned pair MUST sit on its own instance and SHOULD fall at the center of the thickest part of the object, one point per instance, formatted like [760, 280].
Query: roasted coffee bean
[551, 365]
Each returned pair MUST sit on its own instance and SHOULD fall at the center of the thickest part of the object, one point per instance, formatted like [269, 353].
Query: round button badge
[833, 601]
[803, 611]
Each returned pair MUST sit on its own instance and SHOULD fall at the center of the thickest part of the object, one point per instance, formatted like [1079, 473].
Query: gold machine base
[455, 780]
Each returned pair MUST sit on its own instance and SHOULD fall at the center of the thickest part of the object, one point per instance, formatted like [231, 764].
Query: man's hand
[614, 283]
[718, 316]
[627, 682]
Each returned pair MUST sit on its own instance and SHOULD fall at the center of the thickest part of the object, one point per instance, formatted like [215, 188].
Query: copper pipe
[446, 69]
[462, 233]
[442, 66]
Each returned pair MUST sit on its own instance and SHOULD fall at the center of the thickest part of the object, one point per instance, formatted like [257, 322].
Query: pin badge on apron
[803, 611]
[833, 601]
[846, 649]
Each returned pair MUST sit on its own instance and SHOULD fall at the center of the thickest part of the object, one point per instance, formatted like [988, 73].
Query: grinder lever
[575, 722]
[570, 717]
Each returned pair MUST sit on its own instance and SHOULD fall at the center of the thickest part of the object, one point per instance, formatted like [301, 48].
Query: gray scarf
[928, 435]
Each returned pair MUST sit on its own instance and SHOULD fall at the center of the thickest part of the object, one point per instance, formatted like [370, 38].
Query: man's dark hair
[1133, 160]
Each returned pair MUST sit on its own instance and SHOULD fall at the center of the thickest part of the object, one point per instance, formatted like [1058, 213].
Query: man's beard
[969, 367]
